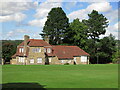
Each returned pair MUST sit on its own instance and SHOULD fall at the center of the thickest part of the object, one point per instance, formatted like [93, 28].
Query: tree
[9, 48]
[77, 34]
[97, 24]
[107, 48]
[7, 51]
[116, 57]
[56, 25]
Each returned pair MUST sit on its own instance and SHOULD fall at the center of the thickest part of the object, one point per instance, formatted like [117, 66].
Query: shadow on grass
[22, 86]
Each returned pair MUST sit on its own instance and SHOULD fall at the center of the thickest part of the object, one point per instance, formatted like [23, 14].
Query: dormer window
[48, 50]
[21, 50]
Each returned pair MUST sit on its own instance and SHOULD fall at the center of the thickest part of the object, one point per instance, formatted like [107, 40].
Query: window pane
[83, 58]
[48, 50]
[22, 49]
[50, 59]
[74, 58]
[39, 60]
[62, 61]
[31, 60]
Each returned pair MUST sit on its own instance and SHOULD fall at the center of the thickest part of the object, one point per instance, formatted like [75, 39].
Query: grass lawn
[62, 76]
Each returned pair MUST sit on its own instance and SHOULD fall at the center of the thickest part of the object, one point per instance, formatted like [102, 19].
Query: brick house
[35, 51]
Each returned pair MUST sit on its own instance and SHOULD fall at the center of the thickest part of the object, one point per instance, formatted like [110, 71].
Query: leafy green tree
[107, 48]
[116, 57]
[56, 25]
[77, 34]
[9, 48]
[7, 51]
[97, 24]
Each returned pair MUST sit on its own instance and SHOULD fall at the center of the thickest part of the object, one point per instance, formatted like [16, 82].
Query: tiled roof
[35, 42]
[61, 52]
[31, 42]
[67, 51]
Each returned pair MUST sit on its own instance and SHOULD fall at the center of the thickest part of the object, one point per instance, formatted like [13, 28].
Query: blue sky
[28, 18]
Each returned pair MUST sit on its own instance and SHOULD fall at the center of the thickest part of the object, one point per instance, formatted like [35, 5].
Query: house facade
[36, 51]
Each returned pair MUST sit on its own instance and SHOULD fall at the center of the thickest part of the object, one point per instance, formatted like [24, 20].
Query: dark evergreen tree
[9, 48]
[56, 25]
[97, 24]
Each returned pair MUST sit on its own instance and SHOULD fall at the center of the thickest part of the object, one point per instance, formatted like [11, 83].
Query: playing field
[61, 76]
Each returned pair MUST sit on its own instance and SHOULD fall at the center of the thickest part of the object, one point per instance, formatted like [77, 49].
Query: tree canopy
[97, 24]
[56, 25]
[77, 34]
[9, 48]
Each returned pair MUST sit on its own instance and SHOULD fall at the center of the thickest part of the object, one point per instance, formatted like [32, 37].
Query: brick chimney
[26, 38]
[46, 38]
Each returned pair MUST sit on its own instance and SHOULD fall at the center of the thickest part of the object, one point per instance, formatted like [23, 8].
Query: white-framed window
[75, 59]
[31, 60]
[21, 59]
[39, 60]
[83, 58]
[21, 50]
[36, 50]
[62, 61]
[48, 50]
[50, 59]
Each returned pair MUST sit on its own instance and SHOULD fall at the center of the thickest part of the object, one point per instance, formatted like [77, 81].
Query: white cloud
[38, 22]
[42, 11]
[44, 8]
[16, 32]
[16, 0]
[99, 6]
[10, 11]
[82, 14]
[69, 5]
[112, 15]
[113, 29]
[14, 17]
[8, 8]
[36, 36]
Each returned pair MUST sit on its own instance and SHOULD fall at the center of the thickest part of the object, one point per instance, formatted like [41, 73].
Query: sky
[23, 17]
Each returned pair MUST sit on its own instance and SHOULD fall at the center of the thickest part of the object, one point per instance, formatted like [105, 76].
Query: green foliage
[116, 55]
[101, 49]
[107, 47]
[77, 34]
[7, 51]
[97, 24]
[56, 25]
[9, 48]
